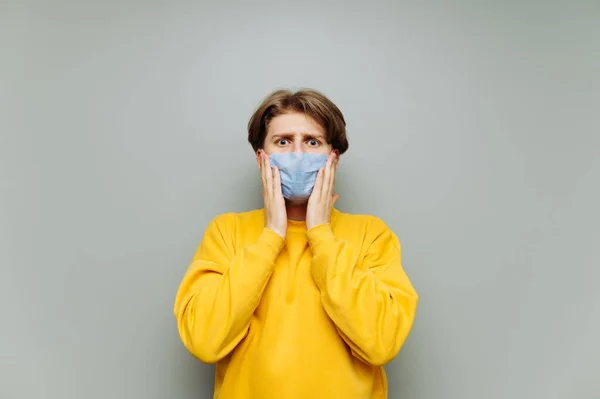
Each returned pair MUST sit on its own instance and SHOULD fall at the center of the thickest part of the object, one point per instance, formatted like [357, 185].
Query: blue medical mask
[298, 171]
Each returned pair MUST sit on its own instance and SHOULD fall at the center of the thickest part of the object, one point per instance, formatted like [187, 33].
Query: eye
[313, 143]
[282, 141]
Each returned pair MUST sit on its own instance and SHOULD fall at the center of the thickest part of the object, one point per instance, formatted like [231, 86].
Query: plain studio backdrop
[474, 133]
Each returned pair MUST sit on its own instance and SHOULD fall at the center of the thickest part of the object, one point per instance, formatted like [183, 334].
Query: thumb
[335, 198]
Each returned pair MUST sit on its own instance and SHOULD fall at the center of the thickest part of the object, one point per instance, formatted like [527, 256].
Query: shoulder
[373, 228]
[369, 222]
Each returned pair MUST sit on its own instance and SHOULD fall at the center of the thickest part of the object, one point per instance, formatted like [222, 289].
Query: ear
[337, 156]
[258, 152]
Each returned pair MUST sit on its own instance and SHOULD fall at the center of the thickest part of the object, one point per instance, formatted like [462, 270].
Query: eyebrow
[306, 135]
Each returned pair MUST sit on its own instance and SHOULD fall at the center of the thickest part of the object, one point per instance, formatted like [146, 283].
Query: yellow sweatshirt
[315, 315]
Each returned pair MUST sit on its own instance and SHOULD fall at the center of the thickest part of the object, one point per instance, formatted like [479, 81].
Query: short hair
[307, 101]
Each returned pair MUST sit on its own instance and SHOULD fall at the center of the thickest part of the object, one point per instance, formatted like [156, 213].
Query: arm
[370, 300]
[222, 288]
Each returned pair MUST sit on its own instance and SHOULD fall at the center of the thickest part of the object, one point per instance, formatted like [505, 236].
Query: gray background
[475, 134]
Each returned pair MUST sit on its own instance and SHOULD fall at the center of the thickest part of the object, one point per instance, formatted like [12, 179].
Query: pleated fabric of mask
[298, 171]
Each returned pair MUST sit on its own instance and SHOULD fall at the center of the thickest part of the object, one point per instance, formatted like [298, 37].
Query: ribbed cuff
[320, 239]
[270, 243]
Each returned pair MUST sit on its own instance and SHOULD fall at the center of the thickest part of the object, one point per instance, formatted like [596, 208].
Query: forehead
[294, 123]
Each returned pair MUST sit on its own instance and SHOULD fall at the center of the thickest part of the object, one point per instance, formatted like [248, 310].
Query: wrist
[279, 232]
[270, 244]
[320, 236]
[311, 224]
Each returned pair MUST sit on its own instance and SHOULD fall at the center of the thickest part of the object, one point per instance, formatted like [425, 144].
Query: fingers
[325, 183]
[326, 178]
[329, 177]
[334, 162]
[319, 182]
[270, 176]
[268, 172]
[277, 182]
[261, 165]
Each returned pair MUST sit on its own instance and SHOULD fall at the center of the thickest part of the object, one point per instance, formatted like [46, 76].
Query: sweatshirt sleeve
[221, 289]
[369, 298]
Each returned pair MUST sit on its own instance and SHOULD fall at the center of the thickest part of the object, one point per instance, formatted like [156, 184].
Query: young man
[297, 300]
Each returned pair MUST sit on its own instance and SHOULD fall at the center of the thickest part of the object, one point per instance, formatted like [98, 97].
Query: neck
[296, 211]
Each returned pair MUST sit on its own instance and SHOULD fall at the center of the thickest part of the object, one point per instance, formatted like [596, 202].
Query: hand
[322, 199]
[275, 213]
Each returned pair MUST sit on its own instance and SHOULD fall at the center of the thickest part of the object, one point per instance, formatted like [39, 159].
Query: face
[295, 132]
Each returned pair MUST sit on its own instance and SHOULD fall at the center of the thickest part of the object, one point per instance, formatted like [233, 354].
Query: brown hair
[307, 101]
